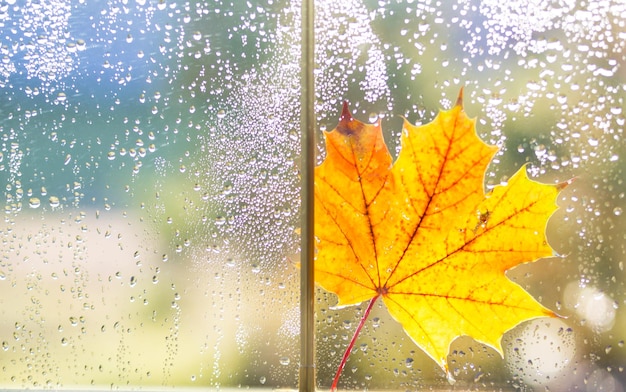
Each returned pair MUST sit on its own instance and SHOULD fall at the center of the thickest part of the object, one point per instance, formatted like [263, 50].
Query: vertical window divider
[307, 281]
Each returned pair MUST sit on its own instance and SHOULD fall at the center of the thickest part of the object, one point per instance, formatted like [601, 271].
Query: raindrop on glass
[34, 202]
[54, 201]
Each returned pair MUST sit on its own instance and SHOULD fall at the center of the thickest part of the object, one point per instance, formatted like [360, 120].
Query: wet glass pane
[545, 81]
[149, 170]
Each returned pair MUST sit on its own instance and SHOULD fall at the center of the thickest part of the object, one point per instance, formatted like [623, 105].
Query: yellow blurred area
[88, 300]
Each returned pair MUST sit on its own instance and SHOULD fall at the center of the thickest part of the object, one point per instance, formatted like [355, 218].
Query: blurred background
[149, 165]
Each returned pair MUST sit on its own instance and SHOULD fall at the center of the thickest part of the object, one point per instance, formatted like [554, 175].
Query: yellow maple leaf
[422, 234]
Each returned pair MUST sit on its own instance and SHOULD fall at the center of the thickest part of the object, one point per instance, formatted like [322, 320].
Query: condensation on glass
[150, 171]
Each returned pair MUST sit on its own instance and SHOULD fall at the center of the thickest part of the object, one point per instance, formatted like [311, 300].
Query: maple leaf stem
[346, 354]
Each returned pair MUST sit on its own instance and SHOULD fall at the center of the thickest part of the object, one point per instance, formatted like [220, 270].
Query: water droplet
[262, 379]
[284, 361]
[409, 362]
[221, 114]
[54, 201]
[617, 211]
[34, 202]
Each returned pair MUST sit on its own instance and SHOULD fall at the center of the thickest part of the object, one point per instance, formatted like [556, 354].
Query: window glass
[150, 170]
[545, 81]
[149, 166]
